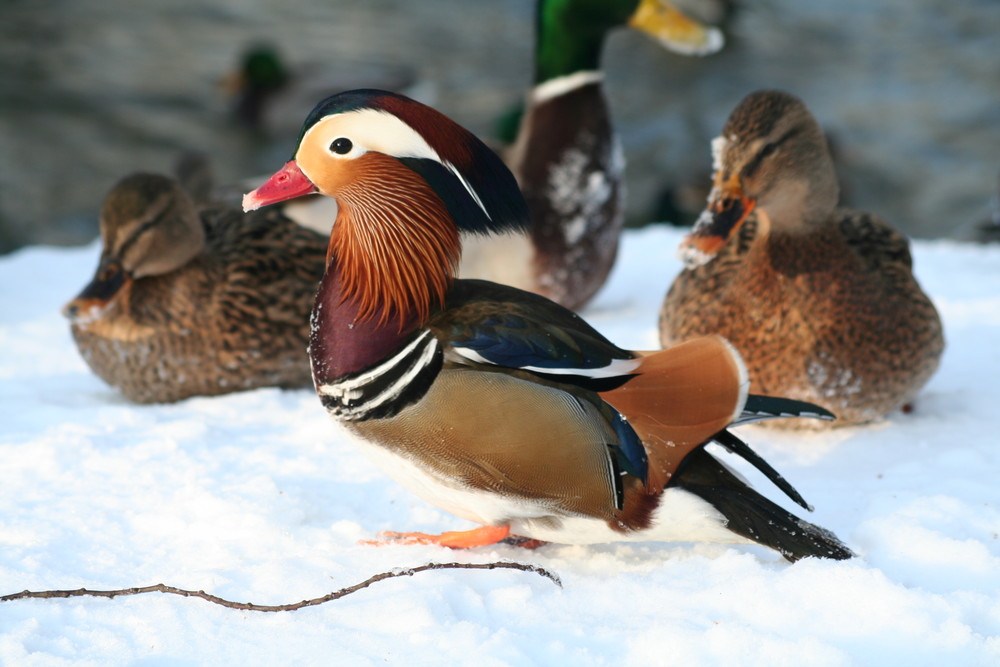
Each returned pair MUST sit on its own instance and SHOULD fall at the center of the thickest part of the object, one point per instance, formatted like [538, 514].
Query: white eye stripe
[383, 132]
[370, 130]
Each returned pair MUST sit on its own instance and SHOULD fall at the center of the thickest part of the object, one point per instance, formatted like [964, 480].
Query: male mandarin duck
[567, 158]
[820, 301]
[496, 404]
[195, 299]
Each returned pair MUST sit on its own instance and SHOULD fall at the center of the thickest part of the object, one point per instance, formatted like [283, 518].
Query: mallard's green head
[571, 33]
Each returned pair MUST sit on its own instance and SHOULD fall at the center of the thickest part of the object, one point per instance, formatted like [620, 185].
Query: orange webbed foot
[453, 539]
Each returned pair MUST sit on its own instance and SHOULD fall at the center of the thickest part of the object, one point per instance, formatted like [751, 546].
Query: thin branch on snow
[249, 606]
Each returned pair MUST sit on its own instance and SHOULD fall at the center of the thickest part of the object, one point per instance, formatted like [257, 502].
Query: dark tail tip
[759, 408]
[740, 448]
[753, 516]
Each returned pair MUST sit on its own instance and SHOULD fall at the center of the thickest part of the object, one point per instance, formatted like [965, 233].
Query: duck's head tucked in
[772, 157]
[149, 227]
[407, 180]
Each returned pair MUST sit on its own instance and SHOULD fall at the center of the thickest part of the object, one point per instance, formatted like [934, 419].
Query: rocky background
[90, 90]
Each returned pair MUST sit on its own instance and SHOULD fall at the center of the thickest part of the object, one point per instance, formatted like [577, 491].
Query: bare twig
[249, 606]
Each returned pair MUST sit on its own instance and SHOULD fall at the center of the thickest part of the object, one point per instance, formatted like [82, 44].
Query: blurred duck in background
[567, 158]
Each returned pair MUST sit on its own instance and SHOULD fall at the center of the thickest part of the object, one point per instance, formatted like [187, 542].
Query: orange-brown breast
[394, 242]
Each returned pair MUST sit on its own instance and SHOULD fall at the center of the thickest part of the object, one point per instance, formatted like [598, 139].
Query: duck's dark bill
[94, 298]
[714, 228]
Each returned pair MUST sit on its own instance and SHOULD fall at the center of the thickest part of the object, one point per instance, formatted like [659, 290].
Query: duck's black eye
[341, 146]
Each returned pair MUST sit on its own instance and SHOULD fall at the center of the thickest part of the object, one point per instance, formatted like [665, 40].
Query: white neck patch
[564, 84]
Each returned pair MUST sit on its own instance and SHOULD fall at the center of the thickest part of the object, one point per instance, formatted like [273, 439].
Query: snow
[577, 189]
[259, 497]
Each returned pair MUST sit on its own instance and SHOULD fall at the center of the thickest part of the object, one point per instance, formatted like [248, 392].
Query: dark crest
[483, 197]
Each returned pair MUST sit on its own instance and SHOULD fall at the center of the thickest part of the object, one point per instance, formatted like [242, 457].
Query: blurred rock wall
[91, 90]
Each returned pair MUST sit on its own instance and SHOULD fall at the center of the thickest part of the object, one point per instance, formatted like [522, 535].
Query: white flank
[680, 517]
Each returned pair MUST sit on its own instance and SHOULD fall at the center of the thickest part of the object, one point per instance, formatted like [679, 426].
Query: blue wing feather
[631, 453]
[523, 330]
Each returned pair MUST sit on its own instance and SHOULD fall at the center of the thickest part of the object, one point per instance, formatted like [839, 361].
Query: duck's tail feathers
[753, 516]
[759, 408]
[678, 398]
[743, 450]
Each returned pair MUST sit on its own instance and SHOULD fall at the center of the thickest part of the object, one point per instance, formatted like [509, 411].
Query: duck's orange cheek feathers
[287, 183]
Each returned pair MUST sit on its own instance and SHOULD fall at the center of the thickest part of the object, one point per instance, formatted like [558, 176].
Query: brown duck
[820, 301]
[193, 299]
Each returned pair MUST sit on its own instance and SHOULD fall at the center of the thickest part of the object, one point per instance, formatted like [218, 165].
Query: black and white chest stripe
[387, 387]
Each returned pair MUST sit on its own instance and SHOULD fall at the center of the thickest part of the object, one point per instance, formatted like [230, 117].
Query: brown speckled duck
[820, 301]
[195, 299]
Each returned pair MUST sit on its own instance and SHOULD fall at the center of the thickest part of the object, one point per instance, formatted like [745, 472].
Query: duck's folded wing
[492, 324]
[673, 400]
[486, 325]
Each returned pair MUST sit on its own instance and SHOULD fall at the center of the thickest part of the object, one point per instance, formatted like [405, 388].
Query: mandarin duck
[496, 404]
[820, 301]
[567, 158]
[195, 298]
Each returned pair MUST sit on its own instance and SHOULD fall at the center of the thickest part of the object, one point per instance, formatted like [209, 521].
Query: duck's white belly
[680, 517]
[462, 501]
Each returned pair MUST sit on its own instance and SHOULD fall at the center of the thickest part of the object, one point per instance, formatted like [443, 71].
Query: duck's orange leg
[453, 539]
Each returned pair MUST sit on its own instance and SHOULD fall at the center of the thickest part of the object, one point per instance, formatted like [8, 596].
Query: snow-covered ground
[259, 497]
